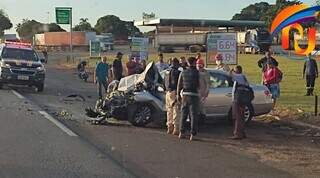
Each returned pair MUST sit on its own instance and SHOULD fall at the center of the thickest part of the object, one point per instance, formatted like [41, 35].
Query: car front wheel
[141, 116]
[248, 114]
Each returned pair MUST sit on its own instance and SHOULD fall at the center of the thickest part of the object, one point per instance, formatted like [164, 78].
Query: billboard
[224, 44]
[139, 48]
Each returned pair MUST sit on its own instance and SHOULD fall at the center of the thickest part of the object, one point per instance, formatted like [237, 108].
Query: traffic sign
[95, 48]
[63, 15]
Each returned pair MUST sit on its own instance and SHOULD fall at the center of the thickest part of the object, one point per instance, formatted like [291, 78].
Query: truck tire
[1, 85]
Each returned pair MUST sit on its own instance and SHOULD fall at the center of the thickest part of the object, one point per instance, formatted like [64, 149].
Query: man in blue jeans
[101, 75]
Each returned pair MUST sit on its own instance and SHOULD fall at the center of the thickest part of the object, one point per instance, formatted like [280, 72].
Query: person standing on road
[272, 78]
[117, 68]
[183, 63]
[310, 71]
[189, 84]
[161, 65]
[238, 108]
[45, 55]
[262, 63]
[172, 106]
[132, 66]
[101, 76]
[220, 65]
[204, 87]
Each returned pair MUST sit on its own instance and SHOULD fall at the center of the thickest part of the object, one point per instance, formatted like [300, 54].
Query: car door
[219, 100]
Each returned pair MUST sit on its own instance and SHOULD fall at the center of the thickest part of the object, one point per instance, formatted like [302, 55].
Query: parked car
[147, 98]
[20, 65]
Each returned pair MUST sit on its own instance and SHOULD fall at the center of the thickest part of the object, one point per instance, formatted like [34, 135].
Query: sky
[44, 10]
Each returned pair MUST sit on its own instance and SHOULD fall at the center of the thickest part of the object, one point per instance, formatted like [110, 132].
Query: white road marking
[18, 94]
[58, 124]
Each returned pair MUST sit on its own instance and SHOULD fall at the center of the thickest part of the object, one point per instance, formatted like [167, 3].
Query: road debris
[74, 97]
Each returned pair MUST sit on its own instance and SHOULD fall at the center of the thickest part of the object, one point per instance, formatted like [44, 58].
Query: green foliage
[5, 22]
[84, 25]
[28, 28]
[263, 11]
[120, 29]
[252, 12]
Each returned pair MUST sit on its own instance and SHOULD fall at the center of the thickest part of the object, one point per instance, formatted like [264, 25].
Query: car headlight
[40, 69]
[3, 64]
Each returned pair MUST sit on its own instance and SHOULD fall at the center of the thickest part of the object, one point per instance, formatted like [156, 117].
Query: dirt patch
[279, 144]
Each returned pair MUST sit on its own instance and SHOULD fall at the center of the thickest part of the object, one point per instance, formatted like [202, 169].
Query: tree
[252, 12]
[28, 28]
[263, 11]
[5, 23]
[270, 14]
[84, 25]
[113, 24]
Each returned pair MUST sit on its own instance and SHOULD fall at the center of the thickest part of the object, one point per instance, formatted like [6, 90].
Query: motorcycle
[138, 98]
[82, 73]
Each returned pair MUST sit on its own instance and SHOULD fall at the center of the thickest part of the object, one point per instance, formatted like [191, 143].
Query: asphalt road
[33, 146]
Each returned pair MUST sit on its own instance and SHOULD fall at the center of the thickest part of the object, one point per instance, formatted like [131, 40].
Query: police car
[20, 65]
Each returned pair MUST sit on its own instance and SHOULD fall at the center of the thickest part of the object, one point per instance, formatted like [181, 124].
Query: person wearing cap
[220, 65]
[117, 68]
[161, 65]
[310, 73]
[204, 87]
[172, 106]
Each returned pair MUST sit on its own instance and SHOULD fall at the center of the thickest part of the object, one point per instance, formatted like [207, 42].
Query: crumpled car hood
[150, 74]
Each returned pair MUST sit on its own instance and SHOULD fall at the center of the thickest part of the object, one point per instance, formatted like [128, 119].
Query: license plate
[22, 77]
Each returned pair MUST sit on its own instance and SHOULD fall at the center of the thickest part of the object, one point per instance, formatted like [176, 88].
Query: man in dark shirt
[310, 71]
[117, 68]
[262, 63]
[101, 76]
[171, 82]
[189, 83]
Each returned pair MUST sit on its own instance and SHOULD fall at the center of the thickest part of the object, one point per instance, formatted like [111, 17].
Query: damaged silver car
[140, 98]
[137, 98]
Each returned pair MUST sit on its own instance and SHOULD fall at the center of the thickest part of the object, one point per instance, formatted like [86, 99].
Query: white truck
[168, 42]
[10, 37]
[250, 41]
